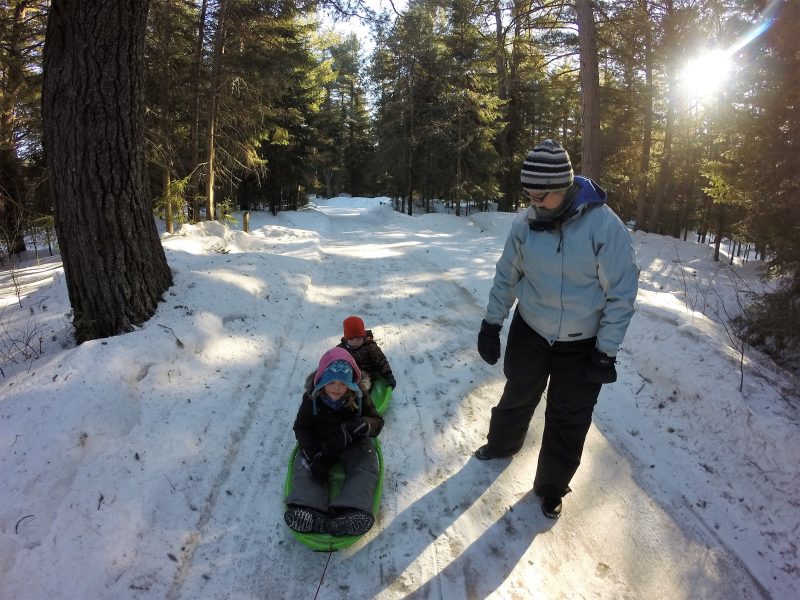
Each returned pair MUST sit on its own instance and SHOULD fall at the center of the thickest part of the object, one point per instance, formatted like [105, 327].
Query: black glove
[489, 342]
[317, 465]
[601, 368]
[337, 440]
[391, 382]
[319, 470]
[358, 427]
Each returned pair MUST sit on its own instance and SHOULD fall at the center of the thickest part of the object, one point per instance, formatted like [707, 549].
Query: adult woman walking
[569, 263]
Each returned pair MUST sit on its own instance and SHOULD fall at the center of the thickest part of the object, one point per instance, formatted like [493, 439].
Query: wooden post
[247, 222]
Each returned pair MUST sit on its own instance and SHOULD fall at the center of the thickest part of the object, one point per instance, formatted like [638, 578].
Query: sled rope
[325, 570]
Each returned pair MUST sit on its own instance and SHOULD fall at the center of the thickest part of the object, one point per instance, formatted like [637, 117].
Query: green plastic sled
[381, 395]
[323, 542]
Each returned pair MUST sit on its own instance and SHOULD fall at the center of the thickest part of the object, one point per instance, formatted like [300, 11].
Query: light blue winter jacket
[574, 283]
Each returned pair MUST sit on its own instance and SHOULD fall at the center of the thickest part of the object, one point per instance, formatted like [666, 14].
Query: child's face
[335, 390]
[355, 342]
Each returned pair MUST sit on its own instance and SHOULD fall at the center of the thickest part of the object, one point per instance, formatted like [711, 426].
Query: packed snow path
[450, 526]
[167, 482]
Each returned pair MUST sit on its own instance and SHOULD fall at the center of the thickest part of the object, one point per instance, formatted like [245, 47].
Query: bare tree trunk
[410, 141]
[590, 90]
[216, 83]
[665, 170]
[502, 141]
[166, 116]
[459, 152]
[647, 110]
[719, 224]
[194, 135]
[114, 264]
[168, 218]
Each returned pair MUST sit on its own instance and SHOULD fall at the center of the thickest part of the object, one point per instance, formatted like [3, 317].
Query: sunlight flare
[705, 75]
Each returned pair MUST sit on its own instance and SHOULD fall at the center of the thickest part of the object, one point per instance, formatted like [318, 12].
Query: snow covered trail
[151, 465]
[397, 310]
[450, 526]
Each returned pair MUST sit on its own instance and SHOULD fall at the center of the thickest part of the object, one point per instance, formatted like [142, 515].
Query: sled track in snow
[276, 363]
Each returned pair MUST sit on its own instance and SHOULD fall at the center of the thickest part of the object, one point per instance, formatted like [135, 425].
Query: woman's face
[546, 200]
[335, 390]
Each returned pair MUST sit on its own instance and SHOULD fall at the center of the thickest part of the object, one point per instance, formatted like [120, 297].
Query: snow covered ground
[151, 465]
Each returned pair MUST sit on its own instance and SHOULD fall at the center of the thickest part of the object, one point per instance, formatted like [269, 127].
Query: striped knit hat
[547, 167]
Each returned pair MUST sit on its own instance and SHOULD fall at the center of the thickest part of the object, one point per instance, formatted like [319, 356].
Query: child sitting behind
[368, 355]
[334, 423]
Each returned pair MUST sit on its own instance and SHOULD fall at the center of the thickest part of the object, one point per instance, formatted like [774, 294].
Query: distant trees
[759, 180]
[246, 104]
[438, 114]
[343, 143]
[253, 98]
[249, 102]
[22, 25]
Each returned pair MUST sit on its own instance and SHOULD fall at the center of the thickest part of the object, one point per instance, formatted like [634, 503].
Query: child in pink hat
[334, 423]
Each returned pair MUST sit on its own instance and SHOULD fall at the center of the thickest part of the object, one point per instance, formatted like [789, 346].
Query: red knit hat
[354, 327]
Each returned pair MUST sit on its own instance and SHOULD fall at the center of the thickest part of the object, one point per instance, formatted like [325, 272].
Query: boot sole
[355, 523]
[305, 520]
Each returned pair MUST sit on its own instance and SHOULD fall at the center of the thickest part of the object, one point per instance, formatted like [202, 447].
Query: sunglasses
[539, 197]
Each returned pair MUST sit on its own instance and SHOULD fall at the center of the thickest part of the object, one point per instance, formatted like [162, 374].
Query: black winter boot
[551, 507]
[355, 522]
[485, 453]
[306, 520]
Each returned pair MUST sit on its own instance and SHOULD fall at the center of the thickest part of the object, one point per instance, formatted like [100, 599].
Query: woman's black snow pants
[529, 361]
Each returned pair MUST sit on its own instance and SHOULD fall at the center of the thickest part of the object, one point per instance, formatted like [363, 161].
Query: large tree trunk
[114, 264]
[590, 90]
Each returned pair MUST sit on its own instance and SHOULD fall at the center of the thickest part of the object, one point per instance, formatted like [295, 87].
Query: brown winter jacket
[311, 429]
[371, 359]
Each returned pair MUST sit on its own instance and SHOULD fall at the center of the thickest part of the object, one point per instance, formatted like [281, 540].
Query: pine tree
[22, 33]
[114, 264]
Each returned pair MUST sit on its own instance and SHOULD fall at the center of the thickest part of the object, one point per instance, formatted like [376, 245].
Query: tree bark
[216, 83]
[665, 171]
[114, 264]
[502, 141]
[647, 114]
[168, 217]
[590, 90]
[194, 135]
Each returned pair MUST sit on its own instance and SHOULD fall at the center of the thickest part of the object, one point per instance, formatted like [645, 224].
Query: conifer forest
[686, 111]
